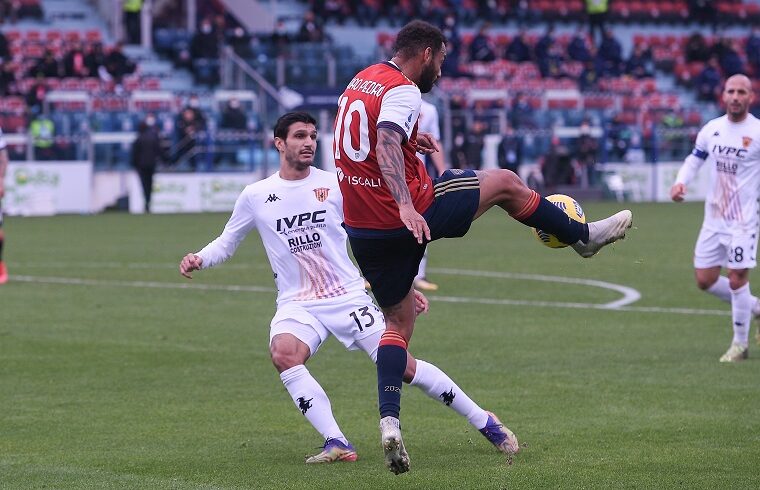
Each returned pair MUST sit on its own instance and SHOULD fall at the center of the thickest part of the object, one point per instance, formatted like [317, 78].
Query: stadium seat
[93, 36]
[53, 35]
[72, 36]
[13, 36]
[33, 36]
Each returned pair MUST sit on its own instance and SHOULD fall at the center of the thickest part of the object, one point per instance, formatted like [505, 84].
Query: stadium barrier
[48, 188]
[190, 193]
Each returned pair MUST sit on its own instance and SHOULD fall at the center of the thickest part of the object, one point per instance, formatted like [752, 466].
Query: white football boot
[735, 353]
[604, 232]
[396, 457]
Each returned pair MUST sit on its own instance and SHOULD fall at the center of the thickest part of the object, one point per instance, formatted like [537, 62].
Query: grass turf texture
[112, 384]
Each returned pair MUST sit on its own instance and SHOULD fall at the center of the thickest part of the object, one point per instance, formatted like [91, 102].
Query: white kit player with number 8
[728, 238]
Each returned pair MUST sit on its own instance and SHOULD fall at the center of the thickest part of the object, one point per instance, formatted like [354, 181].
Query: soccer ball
[571, 207]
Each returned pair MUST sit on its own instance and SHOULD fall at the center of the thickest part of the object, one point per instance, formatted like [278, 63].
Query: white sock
[437, 385]
[741, 314]
[312, 401]
[722, 290]
[423, 267]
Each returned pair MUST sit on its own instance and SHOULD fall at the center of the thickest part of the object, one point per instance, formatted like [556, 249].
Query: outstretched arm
[223, 247]
[390, 158]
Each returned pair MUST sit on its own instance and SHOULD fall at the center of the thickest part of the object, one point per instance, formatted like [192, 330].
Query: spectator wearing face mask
[190, 128]
[199, 119]
[205, 43]
[311, 30]
[240, 42]
[234, 126]
[147, 151]
[233, 116]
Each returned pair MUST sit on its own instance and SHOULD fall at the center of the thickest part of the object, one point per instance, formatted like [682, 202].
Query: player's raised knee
[501, 185]
[285, 356]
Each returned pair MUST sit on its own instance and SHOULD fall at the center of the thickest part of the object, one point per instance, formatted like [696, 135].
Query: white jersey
[428, 122]
[299, 222]
[733, 152]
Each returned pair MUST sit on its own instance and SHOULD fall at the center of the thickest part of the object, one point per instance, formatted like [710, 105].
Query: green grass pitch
[115, 372]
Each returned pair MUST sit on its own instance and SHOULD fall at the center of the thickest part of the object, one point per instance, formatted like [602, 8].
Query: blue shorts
[389, 259]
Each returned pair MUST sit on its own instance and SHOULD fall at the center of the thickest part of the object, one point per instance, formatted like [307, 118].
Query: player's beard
[428, 77]
[300, 162]
[737, 111]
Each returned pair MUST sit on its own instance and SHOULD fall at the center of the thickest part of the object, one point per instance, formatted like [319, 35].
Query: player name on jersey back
[366, 87]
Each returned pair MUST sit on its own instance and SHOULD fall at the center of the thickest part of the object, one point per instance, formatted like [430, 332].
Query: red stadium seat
[599, 102]
[12, 36]
[53, 35]
[383, 37]
[93, 36]
[562, 104]
[33, 50]
[131, 84]
[13, 123]
[92, 85]
[12, 105]
[151, 84]
[33, 36]
[72, 36]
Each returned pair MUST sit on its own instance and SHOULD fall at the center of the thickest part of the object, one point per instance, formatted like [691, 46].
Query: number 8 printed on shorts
[737, 255]
[344, 120]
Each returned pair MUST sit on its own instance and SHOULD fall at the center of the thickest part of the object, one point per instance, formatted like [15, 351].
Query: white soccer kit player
[427, 122]
[319, 289]
[729, 231]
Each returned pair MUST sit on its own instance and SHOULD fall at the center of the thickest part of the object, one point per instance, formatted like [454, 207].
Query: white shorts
[352, 318]
[734, 251]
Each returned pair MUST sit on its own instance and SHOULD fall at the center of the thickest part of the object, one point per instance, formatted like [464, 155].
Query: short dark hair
[282, 126]
[417, 36]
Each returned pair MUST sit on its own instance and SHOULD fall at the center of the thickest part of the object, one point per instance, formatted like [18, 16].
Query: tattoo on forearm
[390, 158]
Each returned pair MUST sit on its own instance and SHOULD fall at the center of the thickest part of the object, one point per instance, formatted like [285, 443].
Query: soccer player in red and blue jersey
[392, 208]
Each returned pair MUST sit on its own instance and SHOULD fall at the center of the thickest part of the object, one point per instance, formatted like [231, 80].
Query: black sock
[551, 219]
[391, 364]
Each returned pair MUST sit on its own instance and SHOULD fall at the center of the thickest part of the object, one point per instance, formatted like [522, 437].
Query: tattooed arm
[390, 158]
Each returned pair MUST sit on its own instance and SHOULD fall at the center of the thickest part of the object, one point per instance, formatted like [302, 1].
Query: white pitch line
[141, 284]
[443, 299]
[630, 295]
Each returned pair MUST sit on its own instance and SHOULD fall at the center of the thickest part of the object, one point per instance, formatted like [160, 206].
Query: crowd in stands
[520, 67]
[13, 10]
[470, 12]
[33, 64]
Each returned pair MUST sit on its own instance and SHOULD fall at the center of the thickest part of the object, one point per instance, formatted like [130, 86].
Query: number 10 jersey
[379, 96]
